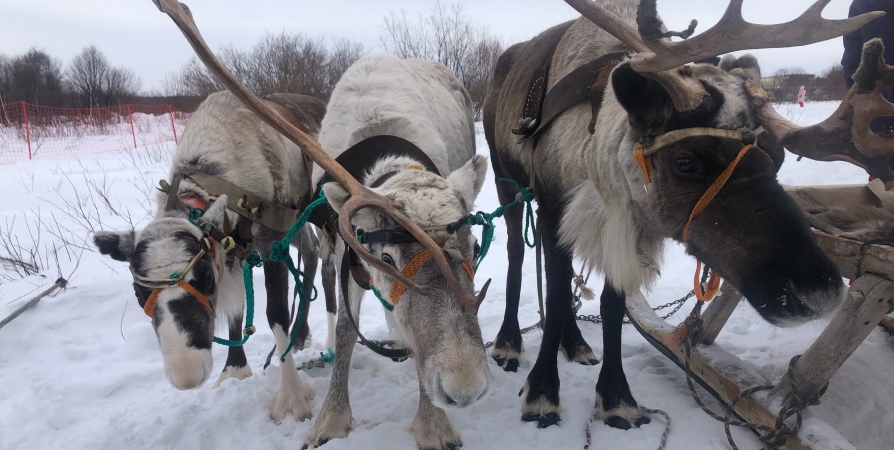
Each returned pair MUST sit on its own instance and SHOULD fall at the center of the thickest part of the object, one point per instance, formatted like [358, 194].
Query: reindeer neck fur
[608, 220]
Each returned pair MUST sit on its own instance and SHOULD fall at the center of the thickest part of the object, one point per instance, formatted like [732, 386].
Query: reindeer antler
[846, 134]
[732, 33]
[660, 59]
[361, 197]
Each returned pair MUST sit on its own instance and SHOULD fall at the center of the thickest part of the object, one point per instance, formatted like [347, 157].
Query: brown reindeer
[662, 150]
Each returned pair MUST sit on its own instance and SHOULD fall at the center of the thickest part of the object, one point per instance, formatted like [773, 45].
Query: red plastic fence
[35, 132]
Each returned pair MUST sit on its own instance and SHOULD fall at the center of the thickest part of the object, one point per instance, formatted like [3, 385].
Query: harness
[177, 279]
[585, 82]
[650, 145]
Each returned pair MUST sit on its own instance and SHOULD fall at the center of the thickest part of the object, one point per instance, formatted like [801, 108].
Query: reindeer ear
[335, 194]
[117, 244]
[745, 67]
[215, 213]
[646, 102]
[469, 178]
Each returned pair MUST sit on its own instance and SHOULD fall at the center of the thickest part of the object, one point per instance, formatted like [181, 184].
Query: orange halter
[152, 301]
[412, 268]
[644, 160]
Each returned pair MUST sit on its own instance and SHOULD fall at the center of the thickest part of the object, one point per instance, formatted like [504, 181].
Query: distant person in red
[853, 48]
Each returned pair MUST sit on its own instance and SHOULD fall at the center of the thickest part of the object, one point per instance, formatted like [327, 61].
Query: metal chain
[597, 318]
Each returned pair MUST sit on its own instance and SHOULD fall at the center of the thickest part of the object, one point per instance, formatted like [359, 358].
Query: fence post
[27, 128]
[173, 128]
[130, 116]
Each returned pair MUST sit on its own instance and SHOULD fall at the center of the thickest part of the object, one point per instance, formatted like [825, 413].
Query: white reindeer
[226, 140]
[425, 104]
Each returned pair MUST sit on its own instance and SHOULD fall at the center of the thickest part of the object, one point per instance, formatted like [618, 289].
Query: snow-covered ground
[82, 369]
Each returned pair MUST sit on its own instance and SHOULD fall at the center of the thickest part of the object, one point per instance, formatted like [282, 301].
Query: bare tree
[283, 62]
[343, 54]
[451, 38]
[97, 83]
[120, 86]
[87, 74]
[34, 77]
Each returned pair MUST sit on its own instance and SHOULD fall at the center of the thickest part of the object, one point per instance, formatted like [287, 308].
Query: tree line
[88, 81]
[297, 63]
[783, 85]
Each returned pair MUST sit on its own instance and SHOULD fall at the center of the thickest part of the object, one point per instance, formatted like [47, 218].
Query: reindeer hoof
[322, 442]
[508, 365]
[543, 420]
[623, 424]
[447, 446]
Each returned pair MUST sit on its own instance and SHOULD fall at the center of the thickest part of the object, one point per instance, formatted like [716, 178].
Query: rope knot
[194, 215]
[253, 259]
[280, 251]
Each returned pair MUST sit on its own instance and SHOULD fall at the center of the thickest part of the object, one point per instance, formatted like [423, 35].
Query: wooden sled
[725, 376]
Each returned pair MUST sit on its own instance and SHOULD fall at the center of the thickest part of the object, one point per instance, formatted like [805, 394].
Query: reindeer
[382, 96]
[646, 162]
[226, 141]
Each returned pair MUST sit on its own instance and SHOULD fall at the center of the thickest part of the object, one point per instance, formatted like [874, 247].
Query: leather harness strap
[586, 82]
[394, 354]
[248, 205]
[531, 110]
[358, 160]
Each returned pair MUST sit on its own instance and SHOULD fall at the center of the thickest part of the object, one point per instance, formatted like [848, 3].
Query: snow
[82, 369]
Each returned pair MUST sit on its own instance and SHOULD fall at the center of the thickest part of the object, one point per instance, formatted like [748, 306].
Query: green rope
[385, 304]
[194, 215]
[280, 253]
[487, 220]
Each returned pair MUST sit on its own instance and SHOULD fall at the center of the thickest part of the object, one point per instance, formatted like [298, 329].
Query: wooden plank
[722, 373]
[817, 198]
[879, 259]
[867, 302]
[718, 313]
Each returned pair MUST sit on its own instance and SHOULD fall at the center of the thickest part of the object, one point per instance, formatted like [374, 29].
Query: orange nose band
[412, 268]
[152, 301]
[644, 160]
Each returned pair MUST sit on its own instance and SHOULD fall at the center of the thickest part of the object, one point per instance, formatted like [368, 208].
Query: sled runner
[725, 376]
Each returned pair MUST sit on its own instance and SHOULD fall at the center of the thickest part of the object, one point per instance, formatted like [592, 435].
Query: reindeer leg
[309, 252]
[329, 277]
[574, 346]
[237, 365]
[431, 427]
[334, 420]
[541, 390]
[294, 394]
[508, 344]
[615, 404]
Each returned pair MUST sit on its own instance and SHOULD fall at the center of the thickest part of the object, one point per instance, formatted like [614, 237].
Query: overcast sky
[135, 34]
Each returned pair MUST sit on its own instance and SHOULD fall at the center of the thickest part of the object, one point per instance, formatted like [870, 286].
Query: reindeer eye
[685, 165]
[388, 260]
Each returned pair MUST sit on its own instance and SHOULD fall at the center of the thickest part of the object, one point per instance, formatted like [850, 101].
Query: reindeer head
[176, 271]
[697, 133]
[442, 331]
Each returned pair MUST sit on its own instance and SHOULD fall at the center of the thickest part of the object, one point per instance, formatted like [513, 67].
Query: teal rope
[194, 215]
[280, 253]
[487, 220]
[385, 304]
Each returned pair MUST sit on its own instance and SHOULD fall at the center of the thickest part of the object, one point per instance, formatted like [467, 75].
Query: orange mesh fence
[35, 132]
